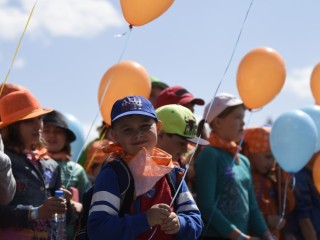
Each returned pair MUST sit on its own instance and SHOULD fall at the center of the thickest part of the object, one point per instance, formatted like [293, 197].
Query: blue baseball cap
[132, 105]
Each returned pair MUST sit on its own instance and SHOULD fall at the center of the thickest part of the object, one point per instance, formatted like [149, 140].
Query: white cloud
[298, 82]
[70, 18]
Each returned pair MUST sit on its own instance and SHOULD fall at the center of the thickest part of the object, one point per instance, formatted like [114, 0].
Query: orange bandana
[146, 169]
[230, 147]
[256, 140]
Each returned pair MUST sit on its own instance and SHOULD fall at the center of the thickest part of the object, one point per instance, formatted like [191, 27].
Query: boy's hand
[171, 225]
[157, 214]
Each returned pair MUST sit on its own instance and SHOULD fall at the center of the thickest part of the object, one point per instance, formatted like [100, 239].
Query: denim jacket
[33, 186]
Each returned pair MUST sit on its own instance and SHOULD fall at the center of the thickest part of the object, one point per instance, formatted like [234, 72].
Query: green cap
[155, 82]
[177, 119]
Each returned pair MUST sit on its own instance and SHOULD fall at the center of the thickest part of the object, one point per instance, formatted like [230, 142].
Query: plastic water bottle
[58, 222]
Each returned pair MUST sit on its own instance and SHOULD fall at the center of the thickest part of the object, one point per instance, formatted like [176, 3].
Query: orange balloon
[316, 172]
[315, 83]
[121, 80]
[260, 77]
[140, 12]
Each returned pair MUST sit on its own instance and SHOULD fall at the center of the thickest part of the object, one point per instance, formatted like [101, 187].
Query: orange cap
[19, 105]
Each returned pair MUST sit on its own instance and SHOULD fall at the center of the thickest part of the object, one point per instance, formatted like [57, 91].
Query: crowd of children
[154, 172]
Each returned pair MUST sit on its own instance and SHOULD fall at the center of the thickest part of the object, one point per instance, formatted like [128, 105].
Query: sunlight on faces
[230, 127]
[55, 137]
[134, 132]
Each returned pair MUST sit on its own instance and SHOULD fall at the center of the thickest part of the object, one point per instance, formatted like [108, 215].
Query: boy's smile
[133, 132]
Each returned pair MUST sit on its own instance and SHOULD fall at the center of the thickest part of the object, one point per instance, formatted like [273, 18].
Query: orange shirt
[267, 194]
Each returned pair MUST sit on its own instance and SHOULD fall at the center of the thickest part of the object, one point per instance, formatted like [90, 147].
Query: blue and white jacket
[105, 223]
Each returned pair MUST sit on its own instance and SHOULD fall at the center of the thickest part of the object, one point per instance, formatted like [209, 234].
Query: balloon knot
[130, 26]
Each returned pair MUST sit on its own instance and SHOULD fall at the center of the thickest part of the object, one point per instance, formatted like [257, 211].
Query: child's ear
[217, 122]
[160, 134]
[113, 135]
[159, 126]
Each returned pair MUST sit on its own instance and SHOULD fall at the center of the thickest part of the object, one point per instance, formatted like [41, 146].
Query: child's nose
[138, 133]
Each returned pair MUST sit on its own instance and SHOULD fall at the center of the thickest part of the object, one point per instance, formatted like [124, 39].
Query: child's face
[30, 131]
[173, 144]
[155, 92]
[262, 162]
[55, 137]
[230, 127]
[135, 132]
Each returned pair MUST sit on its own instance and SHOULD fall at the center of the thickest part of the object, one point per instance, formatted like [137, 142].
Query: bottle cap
[59, 193]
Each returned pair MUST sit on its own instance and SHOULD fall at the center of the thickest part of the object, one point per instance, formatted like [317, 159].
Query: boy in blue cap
[134, 127]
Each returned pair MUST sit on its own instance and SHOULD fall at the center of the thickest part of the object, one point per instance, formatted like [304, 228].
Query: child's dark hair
[11, 137]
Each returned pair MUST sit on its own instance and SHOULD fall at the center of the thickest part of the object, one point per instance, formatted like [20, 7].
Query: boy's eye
[146, 127]
[127, 130]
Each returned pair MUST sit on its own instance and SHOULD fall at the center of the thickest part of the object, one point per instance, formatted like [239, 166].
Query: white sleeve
[7, 181]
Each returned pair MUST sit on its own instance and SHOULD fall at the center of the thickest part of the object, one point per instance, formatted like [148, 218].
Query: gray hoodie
[7, 181]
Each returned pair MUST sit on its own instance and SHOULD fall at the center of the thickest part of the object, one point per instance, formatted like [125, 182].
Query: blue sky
[69, 45]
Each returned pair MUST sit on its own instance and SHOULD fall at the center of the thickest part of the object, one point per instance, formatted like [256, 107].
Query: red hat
[177, 95]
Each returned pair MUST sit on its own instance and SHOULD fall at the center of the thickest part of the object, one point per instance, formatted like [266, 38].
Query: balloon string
[279, 190]
[100, 105]
[90, 129]
[154, 232]
[128, 33]
[285, 199]
[96, 151]
[244, 134]
[18, 47]
[231, 58]
[237, 42]
[242, 138]
[210, 106]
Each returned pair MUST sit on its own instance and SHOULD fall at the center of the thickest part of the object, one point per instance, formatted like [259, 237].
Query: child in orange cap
[256, 147]
[37, 177]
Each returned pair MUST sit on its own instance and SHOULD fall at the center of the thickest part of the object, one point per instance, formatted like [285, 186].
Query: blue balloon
[76, 127]
[314, 113]
[293, 140]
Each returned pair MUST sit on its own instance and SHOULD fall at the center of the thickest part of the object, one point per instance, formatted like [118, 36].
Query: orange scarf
[36, 155]
[159, 156]
[230, 147]
[146, 168]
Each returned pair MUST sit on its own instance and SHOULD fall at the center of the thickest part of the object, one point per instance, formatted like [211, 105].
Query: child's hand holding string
[171, 225]
[157, 214]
